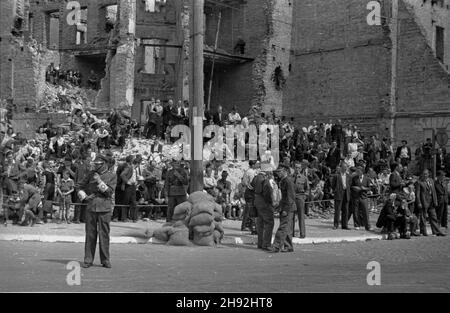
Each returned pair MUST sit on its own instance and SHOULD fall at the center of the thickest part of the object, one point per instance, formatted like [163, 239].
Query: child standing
[65, 189]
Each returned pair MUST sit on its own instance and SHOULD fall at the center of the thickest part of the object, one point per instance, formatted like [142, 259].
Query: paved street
[419, 265]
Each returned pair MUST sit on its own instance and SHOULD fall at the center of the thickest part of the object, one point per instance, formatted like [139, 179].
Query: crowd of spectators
[57, 160]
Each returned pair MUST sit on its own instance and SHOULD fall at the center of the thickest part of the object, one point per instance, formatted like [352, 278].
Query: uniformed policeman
[176, 184]
[98, 189]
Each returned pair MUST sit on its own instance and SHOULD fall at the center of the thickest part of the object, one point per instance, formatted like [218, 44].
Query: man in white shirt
[349, 160]
[209, 182]
[234, 116]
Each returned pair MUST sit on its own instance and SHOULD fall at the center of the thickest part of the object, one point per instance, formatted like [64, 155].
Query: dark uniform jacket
[301, 184]
[103, 201]
[176, 182]
[287, 203]
[263, 191]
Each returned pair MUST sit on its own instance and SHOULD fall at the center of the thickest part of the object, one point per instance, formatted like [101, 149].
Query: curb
[226, 241]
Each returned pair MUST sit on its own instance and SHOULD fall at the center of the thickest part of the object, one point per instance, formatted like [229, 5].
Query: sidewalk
[317, 231]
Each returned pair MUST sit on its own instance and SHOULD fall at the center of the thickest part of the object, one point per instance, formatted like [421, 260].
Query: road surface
[419, 265]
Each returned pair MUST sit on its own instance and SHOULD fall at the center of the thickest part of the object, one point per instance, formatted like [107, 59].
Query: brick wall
[340, 67]
[6, 21]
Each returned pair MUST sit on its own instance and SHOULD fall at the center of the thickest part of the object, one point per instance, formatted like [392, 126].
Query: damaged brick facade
[341, 69]
[307, 59]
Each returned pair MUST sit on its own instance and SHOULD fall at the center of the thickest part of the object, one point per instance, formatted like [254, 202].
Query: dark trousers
[79, 214]
[360, 213]
[3, 209]
[442, 213]
[300, 202]
[283, 237]
[97, 225]
[341, 212]
[130, 208]
[404, 162]
[432, 216]
[247, 220]
[264, 226]
[173, 202]
[117, 212]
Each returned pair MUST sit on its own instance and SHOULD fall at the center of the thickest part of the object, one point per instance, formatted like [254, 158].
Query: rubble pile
[64, 98]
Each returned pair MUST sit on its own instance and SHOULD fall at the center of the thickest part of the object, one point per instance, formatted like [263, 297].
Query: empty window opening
[154, 56]
[154, 5]
[440, 43]
[53, 31]
[82, 28]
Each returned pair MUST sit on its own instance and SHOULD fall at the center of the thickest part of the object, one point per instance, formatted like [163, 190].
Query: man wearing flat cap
[99, 188]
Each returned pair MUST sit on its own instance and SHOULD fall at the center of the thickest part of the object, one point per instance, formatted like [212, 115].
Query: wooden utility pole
[395, 26]
[214, 61]
[196, 92]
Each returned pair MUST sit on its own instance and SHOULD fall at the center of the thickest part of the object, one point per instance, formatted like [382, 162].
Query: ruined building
[309, 59]
[389, 76]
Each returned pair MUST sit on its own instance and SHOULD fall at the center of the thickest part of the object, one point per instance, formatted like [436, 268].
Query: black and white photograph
[219, 154]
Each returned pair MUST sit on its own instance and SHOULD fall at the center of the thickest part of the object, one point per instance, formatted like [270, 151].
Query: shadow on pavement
[64, 262]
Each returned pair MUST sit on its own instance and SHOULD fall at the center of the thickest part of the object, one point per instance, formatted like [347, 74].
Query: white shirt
[209, 182]
[404, 153]
[344, 180]
[234, 118]
[248, 178]
[133, 179]
[350, 162]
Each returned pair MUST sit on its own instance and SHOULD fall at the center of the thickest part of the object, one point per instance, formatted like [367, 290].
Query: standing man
[360, 187]
[82, 168]
[426, 203]
[224, 196]
[283, 237]
[442, 199]
[341, 183]
[219, 118]
[333, 157]
[176, 183]
[301, 190]
[248, 217]
[395, 180]
[99, 187]
[404, 154]
[128, 177]
[263, 204]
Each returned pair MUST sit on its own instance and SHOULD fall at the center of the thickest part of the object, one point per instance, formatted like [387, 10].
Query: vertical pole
[434, 151]
[394, 66]
[196, 87]
[214, 62]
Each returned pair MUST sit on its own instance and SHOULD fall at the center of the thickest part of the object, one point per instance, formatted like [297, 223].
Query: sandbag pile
[204, 217]
[182, 212]
[199, 216]
[179, 235]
